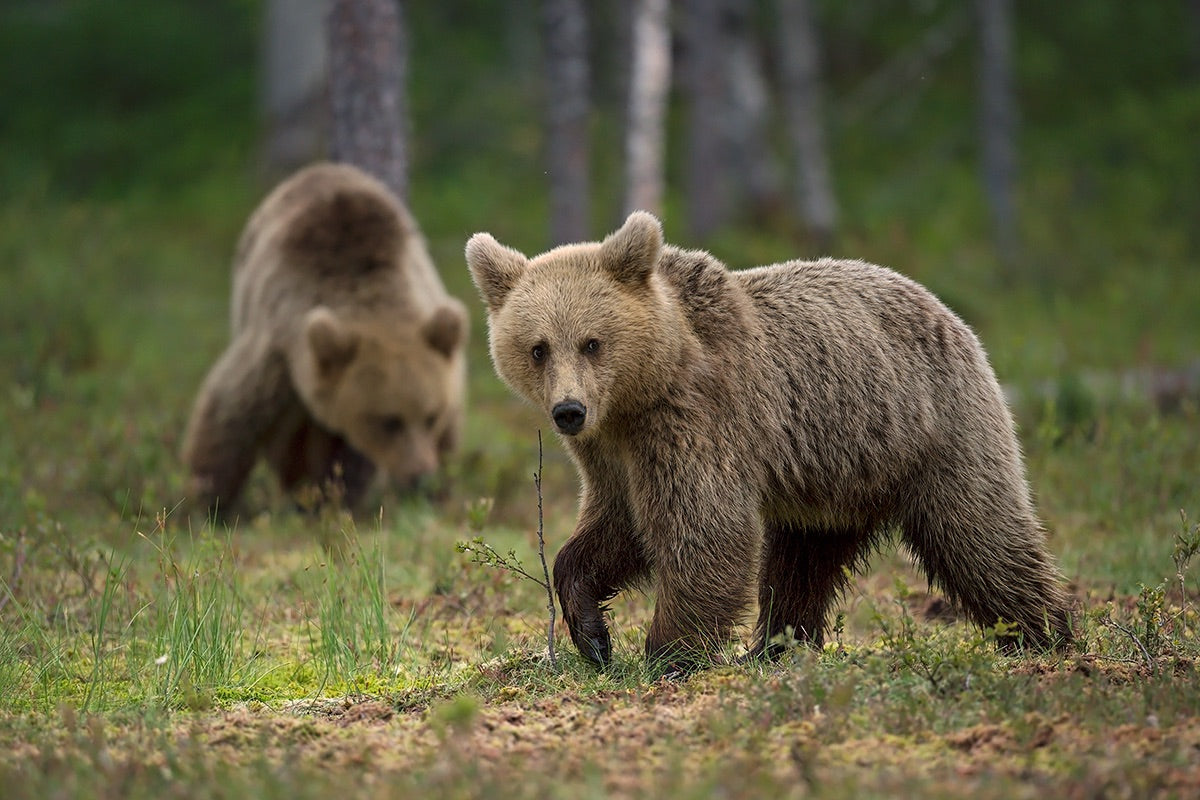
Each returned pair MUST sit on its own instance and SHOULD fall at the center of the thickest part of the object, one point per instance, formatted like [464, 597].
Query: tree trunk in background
[799, 60]
[706, 183]
[752, 164]
[367, 50]
[565, 30]
[292, 93]
[729, 162]
[998, 122]
[649, 83]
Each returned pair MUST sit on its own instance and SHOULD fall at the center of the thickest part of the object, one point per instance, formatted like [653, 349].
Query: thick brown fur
[753, 435]
[346, 352]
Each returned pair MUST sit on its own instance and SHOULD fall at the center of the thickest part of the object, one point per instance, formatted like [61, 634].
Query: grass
[147, 654]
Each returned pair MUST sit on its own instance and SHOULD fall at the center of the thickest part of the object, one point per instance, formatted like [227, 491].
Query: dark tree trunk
[649, 83]
[567, 106]
[752, 164]
[706, 183]
[729, 163]
[998, 122]
[367, 50]
[799, 59]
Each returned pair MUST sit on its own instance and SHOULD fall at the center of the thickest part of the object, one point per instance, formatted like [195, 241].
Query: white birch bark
[649, 84]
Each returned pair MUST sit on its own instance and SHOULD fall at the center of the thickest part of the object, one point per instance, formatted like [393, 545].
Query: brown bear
[764, 428]
[346, 355]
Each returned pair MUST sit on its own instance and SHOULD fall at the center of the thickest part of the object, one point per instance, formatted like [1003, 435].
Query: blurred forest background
[1035, 163]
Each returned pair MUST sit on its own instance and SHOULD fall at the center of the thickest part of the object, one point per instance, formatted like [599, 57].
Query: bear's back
[331, 235]
[865, 365]
[873, 312]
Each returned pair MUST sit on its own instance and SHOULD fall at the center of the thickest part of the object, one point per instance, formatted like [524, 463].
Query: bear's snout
[569, 416]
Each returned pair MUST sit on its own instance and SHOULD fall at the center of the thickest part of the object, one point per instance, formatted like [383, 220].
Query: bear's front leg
[601, 558]
[705, 558]
[241, 397]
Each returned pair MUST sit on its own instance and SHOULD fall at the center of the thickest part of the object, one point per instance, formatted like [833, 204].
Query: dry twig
[537, 482]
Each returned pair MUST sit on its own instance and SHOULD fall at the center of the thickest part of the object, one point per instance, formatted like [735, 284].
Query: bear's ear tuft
[332, 345]
[494, 268]
[446, 329]
[631, 253]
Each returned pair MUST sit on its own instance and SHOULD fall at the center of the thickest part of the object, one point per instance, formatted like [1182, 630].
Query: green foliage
[148, 84]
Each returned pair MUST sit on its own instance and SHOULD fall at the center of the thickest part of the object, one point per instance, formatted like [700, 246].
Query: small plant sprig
[488, 556]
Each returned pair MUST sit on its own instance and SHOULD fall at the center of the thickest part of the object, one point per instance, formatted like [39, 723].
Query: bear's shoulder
[712, 301]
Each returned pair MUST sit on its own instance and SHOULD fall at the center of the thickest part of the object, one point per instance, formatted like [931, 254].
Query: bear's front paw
[591, 638]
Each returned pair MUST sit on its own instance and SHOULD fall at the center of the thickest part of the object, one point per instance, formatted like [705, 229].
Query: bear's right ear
[631, 253]
[494, 268]
[332, 345]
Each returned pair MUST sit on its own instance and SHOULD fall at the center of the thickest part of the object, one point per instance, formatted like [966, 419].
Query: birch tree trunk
[567, 105]
[367, 50]
[799, 59]
[998, 122]
[649, 84]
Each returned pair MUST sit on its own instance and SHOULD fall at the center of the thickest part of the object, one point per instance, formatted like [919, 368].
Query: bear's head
[390, 389]
[583, 330]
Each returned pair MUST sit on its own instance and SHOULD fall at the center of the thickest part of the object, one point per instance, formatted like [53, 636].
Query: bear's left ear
[446, 329]
[631, 253]
[494, 268]
[332, 344]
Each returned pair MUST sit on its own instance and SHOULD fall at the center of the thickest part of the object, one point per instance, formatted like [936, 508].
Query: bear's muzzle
[569, 416]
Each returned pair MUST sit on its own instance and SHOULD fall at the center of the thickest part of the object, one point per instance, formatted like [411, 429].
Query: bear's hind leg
[984, 547]
[803, 572]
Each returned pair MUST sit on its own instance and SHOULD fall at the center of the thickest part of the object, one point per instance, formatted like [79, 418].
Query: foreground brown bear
[762, 428]
[346, 355]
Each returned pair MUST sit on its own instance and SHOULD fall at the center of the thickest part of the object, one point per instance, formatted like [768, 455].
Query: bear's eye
[538, 352]
[591, 346]
[391, 424]
[430, 421]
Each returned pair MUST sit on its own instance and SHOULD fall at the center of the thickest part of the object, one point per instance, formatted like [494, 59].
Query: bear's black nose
[569, 416]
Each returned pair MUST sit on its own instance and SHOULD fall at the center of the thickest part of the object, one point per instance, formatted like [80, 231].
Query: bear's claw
[591, 638]
[599, 650]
